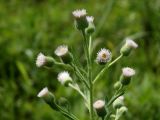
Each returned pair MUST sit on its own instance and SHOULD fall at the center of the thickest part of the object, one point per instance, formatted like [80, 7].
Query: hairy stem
[88, 44]
[90, 77]
[76, 87]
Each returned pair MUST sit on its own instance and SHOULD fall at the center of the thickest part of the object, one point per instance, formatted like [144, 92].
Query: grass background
[28, 27]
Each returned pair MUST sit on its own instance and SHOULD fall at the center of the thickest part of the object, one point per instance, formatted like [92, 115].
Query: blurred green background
[28, 27]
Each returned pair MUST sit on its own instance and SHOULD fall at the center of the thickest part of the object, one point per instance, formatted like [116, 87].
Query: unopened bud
[91, 27]
[48, 97]
[117, 85]
[99, 106]
[43, 60]
[119, 102]
[122, 110]
[128, 46]
[80, 19]
[62, 52]
[64, 78]
[126, 76]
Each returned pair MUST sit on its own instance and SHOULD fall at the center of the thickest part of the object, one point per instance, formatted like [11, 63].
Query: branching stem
[76, 87]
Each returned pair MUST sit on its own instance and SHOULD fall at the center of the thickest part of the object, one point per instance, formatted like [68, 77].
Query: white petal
[41, 59]
[99, 104]
[61, 50]
[43, 92]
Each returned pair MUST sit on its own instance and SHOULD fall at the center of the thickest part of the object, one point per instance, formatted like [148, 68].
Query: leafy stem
[76, 87]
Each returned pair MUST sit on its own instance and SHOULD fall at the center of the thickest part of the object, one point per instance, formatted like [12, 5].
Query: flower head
[41, 60]
[103, 56]
[99, 105]
[128, 46]
[61, 50]
[43, 92]
[131, 43]
[128, 72]
[90, 18]
[126, 76]
[79, 13]
[80, 19]
[64, 78]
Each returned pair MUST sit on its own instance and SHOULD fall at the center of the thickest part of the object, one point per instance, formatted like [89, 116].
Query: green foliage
[30, 26]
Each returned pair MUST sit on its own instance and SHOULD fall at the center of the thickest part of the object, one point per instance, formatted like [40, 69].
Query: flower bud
[103, 56]
[117, 85]
[99, 105]
[64, 78]
[127, 73]
[48, 97]
[91, 27]
[62, 51]
[128, 46]
[122, 110]
[119, 102]
[80, 17]
[43, 60]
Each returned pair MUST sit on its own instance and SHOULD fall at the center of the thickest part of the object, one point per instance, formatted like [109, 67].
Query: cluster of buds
[118, 104]
[84, 22]
[48, 61]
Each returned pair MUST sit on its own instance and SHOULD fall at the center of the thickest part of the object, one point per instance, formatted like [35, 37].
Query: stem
[90, 77]
[90, 44]
[76, 87]
[79, 74]
[116, 118]
[115, 60]
[114, 98]
[67, 114]
[89, 71]
[106, 67]
[63, 65]
[91, 101]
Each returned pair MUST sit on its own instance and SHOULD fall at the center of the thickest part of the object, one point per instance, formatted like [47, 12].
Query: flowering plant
[100, 108]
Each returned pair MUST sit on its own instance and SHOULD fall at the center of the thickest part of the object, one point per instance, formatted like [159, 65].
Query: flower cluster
[82, 79]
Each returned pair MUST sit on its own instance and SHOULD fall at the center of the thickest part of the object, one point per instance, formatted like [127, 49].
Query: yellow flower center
[104, 56]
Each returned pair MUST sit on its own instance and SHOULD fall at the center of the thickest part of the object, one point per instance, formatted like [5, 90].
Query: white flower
[79, 13]
[41, 60]
[103, 56]
[90, 18]
[131, 43]
[64, 77]
[43, 92]
[61, 50]
[99, 104]
[128, 72]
